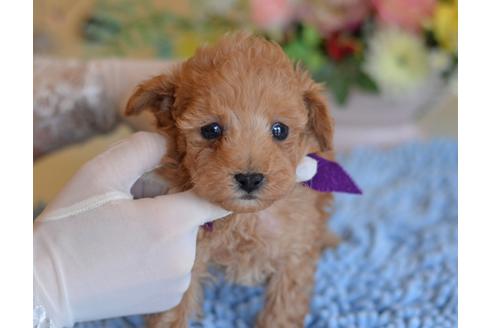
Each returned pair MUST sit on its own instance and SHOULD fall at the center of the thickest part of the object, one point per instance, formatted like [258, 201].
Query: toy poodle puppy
[239, 117]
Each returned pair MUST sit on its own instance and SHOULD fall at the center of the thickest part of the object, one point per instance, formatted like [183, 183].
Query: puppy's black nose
[249, 182]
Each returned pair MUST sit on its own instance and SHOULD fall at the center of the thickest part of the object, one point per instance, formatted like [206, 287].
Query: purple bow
[331, 177]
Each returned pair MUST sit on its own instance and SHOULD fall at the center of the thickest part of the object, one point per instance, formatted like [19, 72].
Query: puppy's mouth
[248, 197]
[246, 203]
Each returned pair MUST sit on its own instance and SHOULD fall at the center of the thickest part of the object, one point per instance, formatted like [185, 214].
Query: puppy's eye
[280, 131]
[211, 131]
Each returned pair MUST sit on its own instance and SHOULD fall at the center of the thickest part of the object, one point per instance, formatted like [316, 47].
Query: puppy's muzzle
[249, 182]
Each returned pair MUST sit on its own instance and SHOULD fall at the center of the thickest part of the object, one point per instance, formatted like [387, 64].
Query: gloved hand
[100, 253]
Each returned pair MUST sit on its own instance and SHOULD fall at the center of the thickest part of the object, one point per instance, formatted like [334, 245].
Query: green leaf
[365, 82]
[314, 60]
[340, 88]
[164, 48]
[296, 50]
[310, 36]
[325, 73]
[100, 29]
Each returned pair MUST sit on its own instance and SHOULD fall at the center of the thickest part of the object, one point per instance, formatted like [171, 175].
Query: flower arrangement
[380, 46]
[385, 46]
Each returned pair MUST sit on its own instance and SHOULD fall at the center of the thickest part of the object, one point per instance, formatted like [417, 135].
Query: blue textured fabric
[397, 265]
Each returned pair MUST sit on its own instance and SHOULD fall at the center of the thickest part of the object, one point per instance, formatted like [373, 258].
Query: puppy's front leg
[288, 293]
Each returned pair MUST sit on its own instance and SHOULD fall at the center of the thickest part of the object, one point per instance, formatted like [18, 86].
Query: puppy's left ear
[319, 119]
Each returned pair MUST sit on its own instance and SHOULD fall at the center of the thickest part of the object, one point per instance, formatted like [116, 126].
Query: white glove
[100, 253]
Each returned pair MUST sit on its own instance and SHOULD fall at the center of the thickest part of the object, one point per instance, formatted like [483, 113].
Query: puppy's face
[242, 117]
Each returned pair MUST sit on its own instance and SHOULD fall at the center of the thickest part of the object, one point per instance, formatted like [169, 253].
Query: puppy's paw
[269, 320]
[165, 320]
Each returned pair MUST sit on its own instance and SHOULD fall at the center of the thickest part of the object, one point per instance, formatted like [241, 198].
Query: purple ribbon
[331, 177]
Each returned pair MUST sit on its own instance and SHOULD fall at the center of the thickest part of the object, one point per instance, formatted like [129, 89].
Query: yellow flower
[186, 44]
[445, 24]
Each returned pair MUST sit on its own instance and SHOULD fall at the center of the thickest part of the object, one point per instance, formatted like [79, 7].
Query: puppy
[239, 117]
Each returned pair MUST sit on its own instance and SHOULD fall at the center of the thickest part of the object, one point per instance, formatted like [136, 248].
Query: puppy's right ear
[156, 94]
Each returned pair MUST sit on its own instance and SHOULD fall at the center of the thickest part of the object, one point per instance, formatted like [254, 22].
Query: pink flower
[334, 15]
[408, 14]
[271, 14]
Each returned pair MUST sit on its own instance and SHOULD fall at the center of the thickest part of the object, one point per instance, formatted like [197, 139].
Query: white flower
[397, 60]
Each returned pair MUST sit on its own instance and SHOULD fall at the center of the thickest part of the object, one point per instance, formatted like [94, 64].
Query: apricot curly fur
[246, 83]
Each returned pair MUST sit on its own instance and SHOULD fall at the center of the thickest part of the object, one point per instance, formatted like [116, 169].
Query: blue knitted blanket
[397, 265]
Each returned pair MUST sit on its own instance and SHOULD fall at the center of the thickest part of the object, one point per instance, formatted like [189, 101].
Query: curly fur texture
[246, 83]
